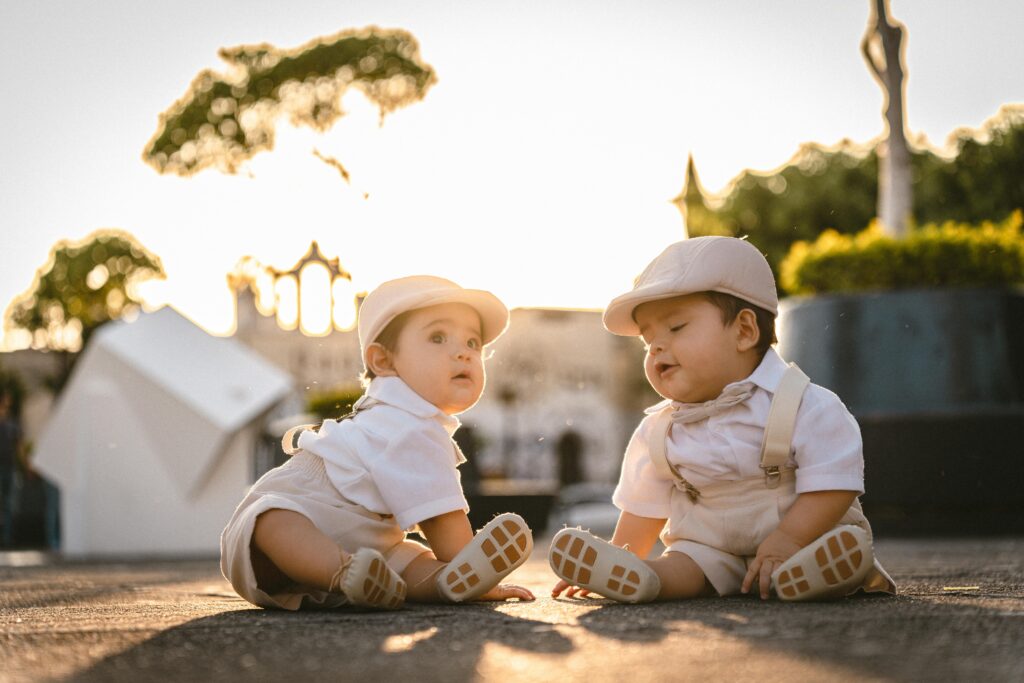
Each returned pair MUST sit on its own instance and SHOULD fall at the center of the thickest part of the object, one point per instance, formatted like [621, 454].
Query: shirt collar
[769, 373]
[395, 392]
[766, 375]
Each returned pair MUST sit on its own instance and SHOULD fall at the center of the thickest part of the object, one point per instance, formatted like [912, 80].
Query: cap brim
[494, 315]
[618, 316]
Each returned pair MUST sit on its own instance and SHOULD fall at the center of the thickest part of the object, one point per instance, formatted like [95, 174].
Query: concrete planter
[936, 380]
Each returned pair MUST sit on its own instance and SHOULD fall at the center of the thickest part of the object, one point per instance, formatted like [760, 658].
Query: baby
[749, 473]
[327, 528]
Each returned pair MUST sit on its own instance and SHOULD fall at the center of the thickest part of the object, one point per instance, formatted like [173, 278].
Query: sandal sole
[575, 557]
[378, 586]
[830, 567]
[502, 545]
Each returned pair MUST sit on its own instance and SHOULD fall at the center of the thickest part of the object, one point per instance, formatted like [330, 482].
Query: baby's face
[439, 355]
[691, 353]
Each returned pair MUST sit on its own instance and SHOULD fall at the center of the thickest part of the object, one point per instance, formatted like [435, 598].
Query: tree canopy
[819, 188]
[81, 286]
[225, 119]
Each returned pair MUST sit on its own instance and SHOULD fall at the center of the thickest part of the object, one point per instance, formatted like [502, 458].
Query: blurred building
[563, 395]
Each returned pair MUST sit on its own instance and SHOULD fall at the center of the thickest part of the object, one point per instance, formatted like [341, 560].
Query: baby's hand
[506, 591]
[571, 592]
[773, 551]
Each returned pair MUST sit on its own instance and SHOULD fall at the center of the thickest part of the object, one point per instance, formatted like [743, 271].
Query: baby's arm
[639, 533]
[448, 534]
[811, 515]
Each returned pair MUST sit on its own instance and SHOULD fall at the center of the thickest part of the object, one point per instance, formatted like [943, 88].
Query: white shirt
[826, 449]
[396, 457]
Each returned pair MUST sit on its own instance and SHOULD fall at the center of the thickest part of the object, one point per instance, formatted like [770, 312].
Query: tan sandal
[502, 545]
[367, 581]
[584, 560]
[832, 566]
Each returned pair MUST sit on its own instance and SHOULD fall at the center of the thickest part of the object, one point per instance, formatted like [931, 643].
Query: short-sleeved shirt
[826, 451]
[396, 457]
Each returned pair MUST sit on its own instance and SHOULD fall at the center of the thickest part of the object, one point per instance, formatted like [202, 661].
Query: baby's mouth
[462, 375]
[662, 368]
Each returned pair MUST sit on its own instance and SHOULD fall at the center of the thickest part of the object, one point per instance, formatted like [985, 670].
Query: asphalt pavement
[959, 617]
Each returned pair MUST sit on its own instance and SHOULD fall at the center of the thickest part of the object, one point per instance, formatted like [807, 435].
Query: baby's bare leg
[421, 578]
[680, 577]
[297, 548]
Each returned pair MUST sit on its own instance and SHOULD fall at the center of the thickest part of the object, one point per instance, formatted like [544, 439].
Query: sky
[539, 166]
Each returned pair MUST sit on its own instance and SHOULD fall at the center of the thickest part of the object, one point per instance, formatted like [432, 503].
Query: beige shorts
[721, 532]
[301, 485]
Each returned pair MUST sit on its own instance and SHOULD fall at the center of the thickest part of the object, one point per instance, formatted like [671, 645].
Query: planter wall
[935, 379]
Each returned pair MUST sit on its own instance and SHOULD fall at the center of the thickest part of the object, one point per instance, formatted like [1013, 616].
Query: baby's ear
[748, 333]
[380, 360]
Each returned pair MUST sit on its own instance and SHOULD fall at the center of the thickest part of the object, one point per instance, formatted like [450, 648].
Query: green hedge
[333, 403]
[947, 255]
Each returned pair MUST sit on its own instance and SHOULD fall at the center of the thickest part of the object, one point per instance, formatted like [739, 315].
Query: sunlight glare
[315, 300]
[344, 308]
[286, 293]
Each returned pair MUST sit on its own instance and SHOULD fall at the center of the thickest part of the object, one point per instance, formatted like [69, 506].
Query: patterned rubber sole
[380, 588]
[838, 559]
[505, 546]
[573, 559]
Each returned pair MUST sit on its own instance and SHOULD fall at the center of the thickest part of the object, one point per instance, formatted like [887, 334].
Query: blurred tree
[225, 119]
[82, 285]
[698, 219]
[818, 188]
[884, 50]
[983, 180]
[821, 188]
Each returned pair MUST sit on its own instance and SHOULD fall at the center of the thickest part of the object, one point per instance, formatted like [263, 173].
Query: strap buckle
[772, 475]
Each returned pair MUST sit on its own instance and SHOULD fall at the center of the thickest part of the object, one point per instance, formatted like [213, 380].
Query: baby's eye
[437, 338]
[474, 344]
[676, 328]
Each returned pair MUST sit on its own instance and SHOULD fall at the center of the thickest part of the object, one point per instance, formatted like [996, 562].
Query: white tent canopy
[151, 441]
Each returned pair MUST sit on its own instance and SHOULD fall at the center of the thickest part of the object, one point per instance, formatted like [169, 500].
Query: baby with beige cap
[328, 527]
[748, 472]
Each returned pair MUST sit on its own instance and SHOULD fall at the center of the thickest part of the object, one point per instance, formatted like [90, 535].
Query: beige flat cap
[395, 297]
[700, 264]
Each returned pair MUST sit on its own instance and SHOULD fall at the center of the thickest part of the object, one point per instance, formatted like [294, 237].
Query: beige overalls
[721, 525]
[302, 485]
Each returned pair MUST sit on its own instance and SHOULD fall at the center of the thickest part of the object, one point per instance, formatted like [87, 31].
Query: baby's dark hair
[730, 306]
[388, 338]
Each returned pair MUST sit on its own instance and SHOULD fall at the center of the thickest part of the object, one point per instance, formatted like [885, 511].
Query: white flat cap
[700, 264]
[394, 297]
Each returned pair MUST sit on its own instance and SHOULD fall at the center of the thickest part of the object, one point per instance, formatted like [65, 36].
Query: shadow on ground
[419, 643]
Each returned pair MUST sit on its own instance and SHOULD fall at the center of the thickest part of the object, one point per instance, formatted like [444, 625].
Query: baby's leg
[581, 559]
[295, 547]
[680, 577]
[421, 578]
[501, 546]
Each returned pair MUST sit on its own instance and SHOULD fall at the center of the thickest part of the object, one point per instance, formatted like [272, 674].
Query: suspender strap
[778, 432]
[289, 442]
[658, 442]
[658, 446]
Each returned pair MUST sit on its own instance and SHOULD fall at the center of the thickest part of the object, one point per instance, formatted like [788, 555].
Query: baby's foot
[367, 581]
[582, 559]
[502, 545]
[833, 565]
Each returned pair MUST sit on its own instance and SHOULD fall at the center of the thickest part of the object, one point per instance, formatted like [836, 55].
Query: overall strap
[778, 432]
[289, 442]
[657, 446]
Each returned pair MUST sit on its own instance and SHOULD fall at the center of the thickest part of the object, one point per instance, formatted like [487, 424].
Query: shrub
[333, 403]
[946, 255]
